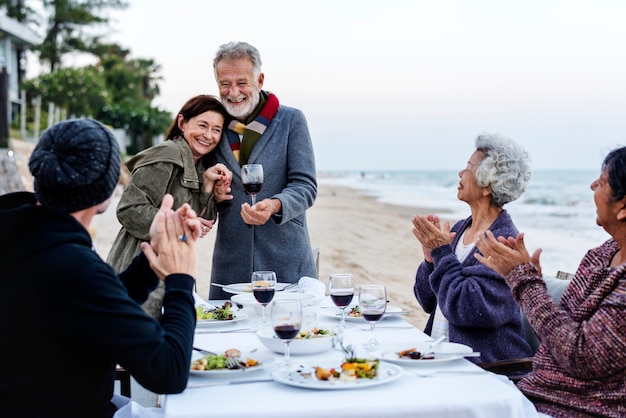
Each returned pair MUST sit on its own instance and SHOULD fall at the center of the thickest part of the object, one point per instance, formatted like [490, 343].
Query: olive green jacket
[164, 168]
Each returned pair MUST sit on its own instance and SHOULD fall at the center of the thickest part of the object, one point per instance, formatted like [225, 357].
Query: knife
[229, 382]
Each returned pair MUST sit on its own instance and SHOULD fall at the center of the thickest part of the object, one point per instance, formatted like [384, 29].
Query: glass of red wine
[286, 319]
[372, 304]
[341, 289]
[252, 179]
[263, 288]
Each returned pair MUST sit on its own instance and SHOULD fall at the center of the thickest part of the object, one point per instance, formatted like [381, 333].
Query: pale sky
[402, 85]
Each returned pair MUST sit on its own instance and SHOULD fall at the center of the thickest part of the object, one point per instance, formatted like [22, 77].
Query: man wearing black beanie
[66, 318]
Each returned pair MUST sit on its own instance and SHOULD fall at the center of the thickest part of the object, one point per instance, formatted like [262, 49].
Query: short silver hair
[234, 51]
[505, 168]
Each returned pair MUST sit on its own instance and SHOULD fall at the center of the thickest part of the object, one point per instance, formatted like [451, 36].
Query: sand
[354, 233]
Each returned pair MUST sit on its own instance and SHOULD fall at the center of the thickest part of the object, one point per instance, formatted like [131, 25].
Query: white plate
[386, 373]
[249, 300]
[237, 288]
[334, 312]
[296, 347]
[207, 323]
[388, 352]
[265, 360]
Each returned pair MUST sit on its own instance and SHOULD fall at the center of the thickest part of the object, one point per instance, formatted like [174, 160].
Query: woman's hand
[206, 226]
[217, 180]
[428, 231]
[504, 254]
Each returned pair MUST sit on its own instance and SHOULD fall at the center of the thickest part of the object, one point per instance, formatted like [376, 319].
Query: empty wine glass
[341, 289]
[263, 288]
[372, 304]
[286, 317]
[252, 179]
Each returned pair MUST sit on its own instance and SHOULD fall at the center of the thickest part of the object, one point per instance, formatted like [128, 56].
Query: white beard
[242, 112]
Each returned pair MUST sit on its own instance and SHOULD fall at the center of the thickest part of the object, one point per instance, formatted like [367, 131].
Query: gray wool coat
[282, 244]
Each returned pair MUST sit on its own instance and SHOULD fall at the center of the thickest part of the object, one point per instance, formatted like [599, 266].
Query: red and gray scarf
[256, 125]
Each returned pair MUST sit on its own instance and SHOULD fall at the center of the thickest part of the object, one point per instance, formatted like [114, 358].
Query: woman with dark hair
[468, 302]
[174, 167]
[580, 367]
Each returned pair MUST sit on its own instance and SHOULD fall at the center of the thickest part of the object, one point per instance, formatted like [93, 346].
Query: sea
[556, 212]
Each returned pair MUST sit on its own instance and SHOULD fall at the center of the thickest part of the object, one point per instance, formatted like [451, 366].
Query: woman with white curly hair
[467, 301]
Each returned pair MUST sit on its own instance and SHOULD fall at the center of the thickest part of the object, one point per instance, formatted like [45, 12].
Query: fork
[205, 352]
[289, 286]
[235, 362]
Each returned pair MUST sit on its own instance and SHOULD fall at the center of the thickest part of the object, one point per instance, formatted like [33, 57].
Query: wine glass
[263, 288]
[341, 288]
[372, 304]
[286, 319]
[252, 179]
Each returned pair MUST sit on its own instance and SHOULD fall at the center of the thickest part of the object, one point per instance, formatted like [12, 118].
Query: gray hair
[234, 51]
[505, 169]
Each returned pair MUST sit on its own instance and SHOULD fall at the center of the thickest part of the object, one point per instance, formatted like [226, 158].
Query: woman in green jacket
[174, 166]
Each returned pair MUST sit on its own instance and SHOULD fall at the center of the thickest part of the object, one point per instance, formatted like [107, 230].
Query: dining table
[457, 388]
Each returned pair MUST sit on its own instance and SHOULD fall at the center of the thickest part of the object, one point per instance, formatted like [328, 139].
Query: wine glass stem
[343, 318]
[287, 351]
[253, 197]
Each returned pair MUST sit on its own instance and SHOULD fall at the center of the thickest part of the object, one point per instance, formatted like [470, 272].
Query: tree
[80, 91]
[68, 21]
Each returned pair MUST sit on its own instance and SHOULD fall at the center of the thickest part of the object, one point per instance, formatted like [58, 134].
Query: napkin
[312, 286]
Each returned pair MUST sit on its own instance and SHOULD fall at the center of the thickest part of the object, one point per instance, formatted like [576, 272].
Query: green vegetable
[219, 314]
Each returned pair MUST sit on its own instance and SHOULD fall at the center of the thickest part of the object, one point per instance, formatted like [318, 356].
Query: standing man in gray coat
[272, 234]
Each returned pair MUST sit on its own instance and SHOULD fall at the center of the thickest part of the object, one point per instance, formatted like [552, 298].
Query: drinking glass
[252, 179]
[263, 288]
[372, 304]
[286, 320]
[341, 289]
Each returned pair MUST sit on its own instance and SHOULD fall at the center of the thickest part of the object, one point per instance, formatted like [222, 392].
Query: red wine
[342, 299]
[263, 295]
[252, 188]
[372, 316]
[286, 332]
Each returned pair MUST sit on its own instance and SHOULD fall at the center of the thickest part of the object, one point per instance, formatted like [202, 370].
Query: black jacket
[66, 318]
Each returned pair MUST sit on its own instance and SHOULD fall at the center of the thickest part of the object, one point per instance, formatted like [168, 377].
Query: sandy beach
[354, 233]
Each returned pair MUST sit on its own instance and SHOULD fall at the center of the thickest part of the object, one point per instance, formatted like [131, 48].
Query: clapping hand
[428, 231]
[173, 235]
[503, 254]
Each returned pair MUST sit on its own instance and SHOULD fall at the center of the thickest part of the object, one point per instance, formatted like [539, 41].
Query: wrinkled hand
[260, 212]
[428, 231]
[504, 254]
[217, 180]
[166, 253]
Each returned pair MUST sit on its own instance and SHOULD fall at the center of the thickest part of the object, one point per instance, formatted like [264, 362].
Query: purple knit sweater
[580, 368]
[475, 300]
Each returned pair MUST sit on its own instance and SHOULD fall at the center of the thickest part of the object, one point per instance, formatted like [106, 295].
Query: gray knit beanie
[76, 165]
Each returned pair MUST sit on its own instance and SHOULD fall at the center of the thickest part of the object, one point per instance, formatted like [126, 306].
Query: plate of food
[358, 373]
[209, 316]
[410, 353]
[311, 341]
[353, 314]
[218, 364]
[237, 288]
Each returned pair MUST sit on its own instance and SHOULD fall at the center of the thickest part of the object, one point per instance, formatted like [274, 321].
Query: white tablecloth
[481, 395]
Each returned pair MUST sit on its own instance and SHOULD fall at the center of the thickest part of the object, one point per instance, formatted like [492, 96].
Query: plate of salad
[208, 316]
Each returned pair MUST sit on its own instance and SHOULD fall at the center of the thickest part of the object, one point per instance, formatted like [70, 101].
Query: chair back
[556, 286]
